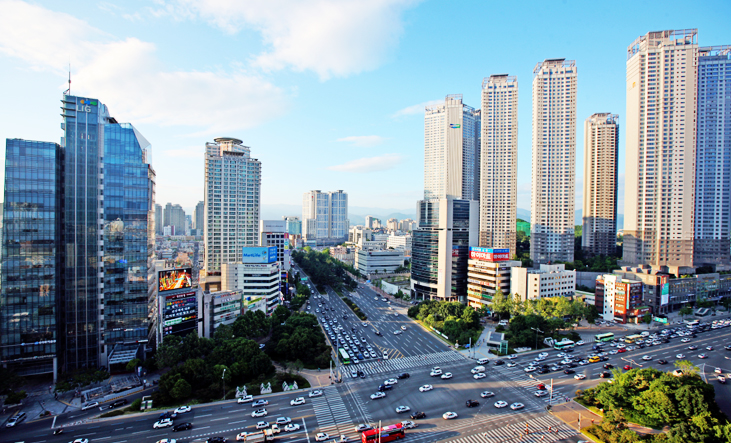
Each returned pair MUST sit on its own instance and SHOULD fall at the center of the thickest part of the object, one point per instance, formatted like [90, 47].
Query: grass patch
[353, 307]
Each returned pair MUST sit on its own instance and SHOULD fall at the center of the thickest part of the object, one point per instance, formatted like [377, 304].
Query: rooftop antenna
[68, 91]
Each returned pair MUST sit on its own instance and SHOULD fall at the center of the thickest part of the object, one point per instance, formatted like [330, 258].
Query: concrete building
[619, 299]
[548, 281]
[256, 281]
[199, 217]
[447, 228]
[713, 151]
[344, 254]
[383, 261]
[219, 308]
[487, 271]
[401, 242]
[325, 217]
[662, 75]
[274, 233]
[554, 161]
[601, 151]
[392, 224]
[407, 225]
[294, 226]
[158, 219]
[369, 221]
[451, 150]
[232, 195]
[174, 215]
[499, 162]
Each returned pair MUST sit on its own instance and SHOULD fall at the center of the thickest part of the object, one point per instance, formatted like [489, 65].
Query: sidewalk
[480, 349]
[578, 417]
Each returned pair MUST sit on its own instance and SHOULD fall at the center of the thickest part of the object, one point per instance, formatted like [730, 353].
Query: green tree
[501, 304]
[703, 303]
[687, 367]
[181, 390]
[168, 352]
[685, 310]
[132, 365]
[647, 318]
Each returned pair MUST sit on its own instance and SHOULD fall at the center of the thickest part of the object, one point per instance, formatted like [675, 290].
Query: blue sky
[329, 94]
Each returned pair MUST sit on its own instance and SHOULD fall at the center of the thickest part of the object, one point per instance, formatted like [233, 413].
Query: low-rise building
[383, 261]
[402, 242]
[343, 253]
[548, 281]
[619, 299]
[487, 271]
[218, 308]
[257, 276]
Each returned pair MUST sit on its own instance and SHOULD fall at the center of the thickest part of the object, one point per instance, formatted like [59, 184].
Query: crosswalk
[333, 417]
[520, 380]
[406, 363]
[538, 431]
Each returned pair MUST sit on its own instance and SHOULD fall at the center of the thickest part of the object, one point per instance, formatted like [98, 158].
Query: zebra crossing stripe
[538, 431]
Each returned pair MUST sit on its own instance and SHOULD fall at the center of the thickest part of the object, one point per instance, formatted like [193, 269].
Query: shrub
[15, 397]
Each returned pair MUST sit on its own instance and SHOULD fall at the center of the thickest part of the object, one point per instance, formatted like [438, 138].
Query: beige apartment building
[499, 162]
[662, 90]
[554, 161]
[601, 149]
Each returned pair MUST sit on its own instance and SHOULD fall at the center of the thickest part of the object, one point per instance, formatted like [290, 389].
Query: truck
[263, 435]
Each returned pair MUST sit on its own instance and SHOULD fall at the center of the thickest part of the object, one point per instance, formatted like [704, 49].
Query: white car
[164, 423]
[436, 371]
[646, 357]
[561, 355]
[403, 328]
[512, 357]
[580, 342]
[425, 388]
[530, 369]
[477, 369]
[182, 410]
[361, 427]
[487, 394]
[680, 356]
[259, 413]
[543, 354]
[321, 436]
[408, 424]
[685, 340]
[500, 404]
[292, 427]
[397, 332]
[86, 440]
[90, 405]
[297, 401]
[242, 436]
[446, 376]
[516, 406]
[449, 415]
[579, 376]
[511, 364]
[401, 409]
[262, 425]
[284, 420]
[479, 375]
[315, 393]
[390, 381]
[259, 403]
[378, 395]
[540, 393]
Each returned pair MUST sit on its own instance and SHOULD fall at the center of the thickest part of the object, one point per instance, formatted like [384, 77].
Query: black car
[384, 388]
[378, 333]
[608, 366]
[568, 371]
[662, 361]
[403, 375]
[499, 362]
[572, 365]
[168, 414]
[727, 347]
[361, 374]
[216, 440]
[543, 371]
[183, 427]
[472, 403]
[418, 415]
[117, 403]
[605, 374]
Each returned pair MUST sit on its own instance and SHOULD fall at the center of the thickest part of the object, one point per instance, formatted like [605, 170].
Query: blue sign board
[262, 254]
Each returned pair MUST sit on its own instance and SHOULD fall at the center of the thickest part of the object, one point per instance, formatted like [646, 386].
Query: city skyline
[385, 133]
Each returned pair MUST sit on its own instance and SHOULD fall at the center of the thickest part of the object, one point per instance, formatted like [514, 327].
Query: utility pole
[537, 331]
[224, 383]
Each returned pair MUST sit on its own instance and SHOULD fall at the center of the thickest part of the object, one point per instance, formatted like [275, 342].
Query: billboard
[179, 312]
[664, 290]
[489, 254]
[262, 254]
[175, 279]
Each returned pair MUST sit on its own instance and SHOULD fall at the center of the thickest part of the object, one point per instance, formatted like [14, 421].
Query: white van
[477, 369]
[482, 361]
[644, 333]
[503, 323]
[385, 356]
[15, 419]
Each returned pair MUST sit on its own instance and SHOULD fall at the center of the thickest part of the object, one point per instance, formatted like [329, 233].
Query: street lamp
[537, 331]
[224, 383]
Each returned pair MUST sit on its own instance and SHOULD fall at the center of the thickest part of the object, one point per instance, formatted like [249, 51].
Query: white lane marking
[204, 415]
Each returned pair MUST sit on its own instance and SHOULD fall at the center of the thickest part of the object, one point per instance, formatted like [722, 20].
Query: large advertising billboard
[664, 290]
[489, 254]
[175, 279]
[179, 313]
[263, 254]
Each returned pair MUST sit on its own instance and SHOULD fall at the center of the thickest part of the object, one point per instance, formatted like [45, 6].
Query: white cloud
[416, 109]
[128, 75]
[363, 140]
[370, 164]
[329, 37]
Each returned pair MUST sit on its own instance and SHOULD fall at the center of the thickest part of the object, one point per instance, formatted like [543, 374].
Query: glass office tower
[31, 284]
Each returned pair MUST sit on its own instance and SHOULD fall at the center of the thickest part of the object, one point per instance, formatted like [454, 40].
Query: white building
[401, 242]
[554, 161]
[218, 308]
[359, 234]
[451, 150]
[381, 261]
[232, 190]
[325, 216]
[499, 162]
[258, 280]
[274, 233]
[548, 281]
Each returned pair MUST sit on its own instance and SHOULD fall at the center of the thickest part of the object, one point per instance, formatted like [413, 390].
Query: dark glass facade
[31, 285]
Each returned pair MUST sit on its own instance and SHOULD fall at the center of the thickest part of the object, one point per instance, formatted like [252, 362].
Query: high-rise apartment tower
[325, 216]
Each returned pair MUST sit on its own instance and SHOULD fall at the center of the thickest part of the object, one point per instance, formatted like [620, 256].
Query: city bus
[690, 323]
[563, 344]
[632, 338]
[387, 433]
[601, 338]
[344, 357]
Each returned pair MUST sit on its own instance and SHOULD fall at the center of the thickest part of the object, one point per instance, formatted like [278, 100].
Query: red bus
[387, 433]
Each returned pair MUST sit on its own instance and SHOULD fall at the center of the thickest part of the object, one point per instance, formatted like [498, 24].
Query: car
[91, 404]
[543, 354]
[418, 415]
[487, 394]
[579, 376]
[541, 386]
[605, 374]
[540, 393]
[164, 423]
[354, 373]
[530, 369]
[435, 372]
[584, 362]
[512, 357]
[121, 402]
[646, 358]
[718, 371]
[621, 350]
[692, 347]
[449, 415]
[709, 348]
[613, 352]
[516, 406]
[242, 436]
[662, 361]
[542, 370]
[499, 362]
[727, 347]
[680, 356]
[401, 409]
[182, 410]
[86, 440]
[685, 340]
[472, 403]
[403, 375]
[702, 355]
[259, 413]
[479, 375]
[678, 373]
[164, 440]
[446, 376]
[362, 427]
[408, 424]
[397, 332]
[390, 381]
[722, 379]
[378, 334]
[262, 424]
[500, 404]
[580, 342]
[297, 401]
[315, 393]
[627, 367]
[425, 388]
[608, 366]
[378, 395]
[477, 369]
[322, 436]
[284, 420]
[383, 388]
[364, 324]
[511, 364]
[568, 371]
[403, 328]
[260, 403]
[182, 427]
[383, 299]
